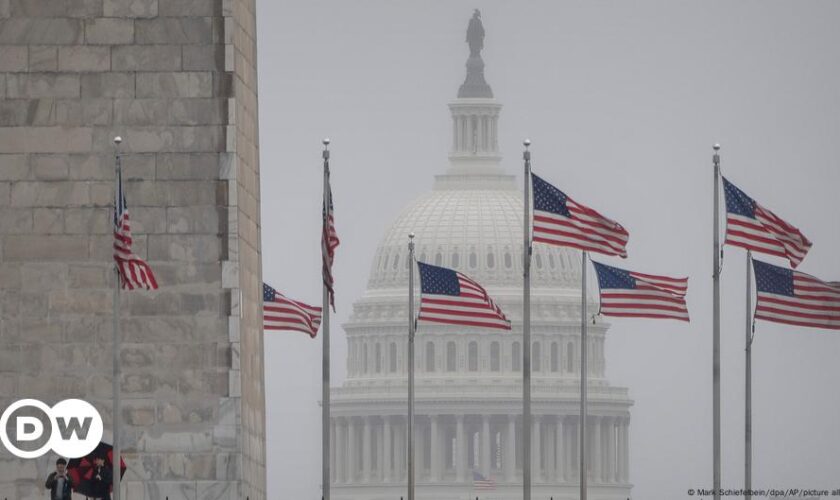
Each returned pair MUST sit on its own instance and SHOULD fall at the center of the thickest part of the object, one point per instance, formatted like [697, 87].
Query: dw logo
[71, 428]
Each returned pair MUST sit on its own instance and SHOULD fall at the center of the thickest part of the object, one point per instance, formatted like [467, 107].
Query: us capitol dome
[468, 393]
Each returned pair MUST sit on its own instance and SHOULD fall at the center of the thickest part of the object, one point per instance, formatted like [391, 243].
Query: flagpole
[411, 329]
[748, 388]
[325, 361]
[583, 377]
[716, 330]
[115, 383]
[526, 331]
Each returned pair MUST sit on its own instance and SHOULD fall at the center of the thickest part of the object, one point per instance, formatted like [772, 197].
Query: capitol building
[469, 380]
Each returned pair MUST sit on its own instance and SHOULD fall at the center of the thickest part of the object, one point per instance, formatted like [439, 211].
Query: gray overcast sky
[623, 101]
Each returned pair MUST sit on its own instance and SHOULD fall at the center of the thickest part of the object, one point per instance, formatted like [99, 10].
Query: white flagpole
[526, 330]
[748, 388]
[583, 378]
[115, 384]
[411, 329]
[325, 361]
[716, 331]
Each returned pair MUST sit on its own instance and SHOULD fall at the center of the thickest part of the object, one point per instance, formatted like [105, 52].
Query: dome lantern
[475, 115]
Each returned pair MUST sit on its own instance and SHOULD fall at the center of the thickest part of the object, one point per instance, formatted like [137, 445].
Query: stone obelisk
[177, 80]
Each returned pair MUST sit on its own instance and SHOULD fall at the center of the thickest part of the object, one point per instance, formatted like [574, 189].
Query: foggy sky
[623, 102]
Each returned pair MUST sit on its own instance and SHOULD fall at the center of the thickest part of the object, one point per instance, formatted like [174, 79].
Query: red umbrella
[80, 470]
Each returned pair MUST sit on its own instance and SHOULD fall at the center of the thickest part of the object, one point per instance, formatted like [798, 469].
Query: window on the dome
[392, 357]
[491, 260]
[473, 260]
[551, 263]
[538, 260]
[494, 357]
[473, 356]
[516, 357]
[423, 256]
[378, 358]
[430, 357]
[385, 262]
[438, 259]
[397, 261]
[535, 357]
[555, 358]
[450, 356]
[508, 260]
[455, 260]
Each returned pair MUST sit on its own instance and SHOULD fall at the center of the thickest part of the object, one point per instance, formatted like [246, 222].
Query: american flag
[329, 242]
[450, 297]
[134, 272]
[283, 313]
[559, 220]
[751, 226]
[795, 298]
[636, 295]
[482, 483]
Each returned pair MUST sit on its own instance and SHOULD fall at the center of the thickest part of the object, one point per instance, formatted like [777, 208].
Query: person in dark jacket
[58, 482]
[100, 480]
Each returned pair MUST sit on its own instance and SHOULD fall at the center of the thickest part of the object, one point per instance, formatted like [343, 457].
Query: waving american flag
[795, 298]
[329, 240]
[283, 313]
[751, 226]
[559, 220]
[134, 272]
[451, 297]
[636, 295]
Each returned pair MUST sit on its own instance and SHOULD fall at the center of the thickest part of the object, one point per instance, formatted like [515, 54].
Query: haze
[623, 102]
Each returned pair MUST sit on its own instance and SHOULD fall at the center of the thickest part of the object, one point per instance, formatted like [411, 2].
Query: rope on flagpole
[526, 326]
[411, 331]
[325, 355]
[115, 383]
[717, 267]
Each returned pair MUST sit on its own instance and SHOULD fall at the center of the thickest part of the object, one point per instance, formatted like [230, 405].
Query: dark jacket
[100, 482]
[51, 484]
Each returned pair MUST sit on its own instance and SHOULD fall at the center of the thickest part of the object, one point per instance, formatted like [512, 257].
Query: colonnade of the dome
[371, 450]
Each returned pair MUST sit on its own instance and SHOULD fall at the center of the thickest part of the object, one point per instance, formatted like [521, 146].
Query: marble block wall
[177, 79]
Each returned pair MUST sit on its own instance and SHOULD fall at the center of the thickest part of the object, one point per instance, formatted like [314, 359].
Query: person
[58, 482]
[100, 480]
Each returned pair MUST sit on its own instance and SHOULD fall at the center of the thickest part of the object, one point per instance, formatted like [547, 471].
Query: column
[366, 450]
[350, 459]
[560, 460]
[399, 450]
[420, 433]
[495, 132]
[595, 450]
[510, 449]
[462, 134]
[332, 450]
[619, 453]
[625, 427]
[339, 450]
[460, 448]
[485, 446]
[434, 451]
[550, 442]
[612, 476]
[569, 427]
[386, 448]
[536, 455]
